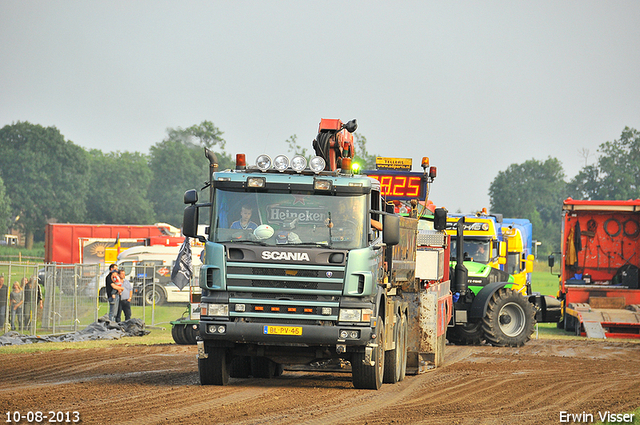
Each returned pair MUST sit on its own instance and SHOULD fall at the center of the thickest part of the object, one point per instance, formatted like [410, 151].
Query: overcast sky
[474, 85]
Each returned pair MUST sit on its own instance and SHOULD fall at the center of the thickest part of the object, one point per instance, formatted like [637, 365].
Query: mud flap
[202, 354]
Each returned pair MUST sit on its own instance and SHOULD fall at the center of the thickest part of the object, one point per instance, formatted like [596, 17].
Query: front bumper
[309, 335]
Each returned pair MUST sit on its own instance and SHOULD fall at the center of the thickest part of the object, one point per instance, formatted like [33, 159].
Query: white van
[148, 268]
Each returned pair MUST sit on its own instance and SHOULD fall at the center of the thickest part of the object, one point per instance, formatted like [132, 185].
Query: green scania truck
[306, 265]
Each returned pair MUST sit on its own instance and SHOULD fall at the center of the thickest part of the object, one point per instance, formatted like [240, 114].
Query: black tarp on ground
[102, 329]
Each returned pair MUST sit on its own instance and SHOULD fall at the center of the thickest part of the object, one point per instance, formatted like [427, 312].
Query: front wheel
[509, 320]
[154, 293]
[214, 370]
[367, 373]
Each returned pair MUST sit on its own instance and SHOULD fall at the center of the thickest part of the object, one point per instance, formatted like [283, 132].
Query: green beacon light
[355, 168]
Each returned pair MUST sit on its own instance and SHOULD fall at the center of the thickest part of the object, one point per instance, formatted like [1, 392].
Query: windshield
[289, 219]
[476, 250]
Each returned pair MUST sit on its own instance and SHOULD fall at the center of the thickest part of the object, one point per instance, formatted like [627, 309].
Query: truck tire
[240, 367]
[367, 376]
[393, 358]
[509, 320]
[404, 339]
[178, 334]
[262, 367]
[214, 370]
[467, 334]
[150, 293]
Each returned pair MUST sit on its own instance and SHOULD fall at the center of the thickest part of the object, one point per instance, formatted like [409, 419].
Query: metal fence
[59, 298]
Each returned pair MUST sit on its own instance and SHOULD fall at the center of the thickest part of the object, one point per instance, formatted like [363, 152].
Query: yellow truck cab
[482, 237]
[519, 257]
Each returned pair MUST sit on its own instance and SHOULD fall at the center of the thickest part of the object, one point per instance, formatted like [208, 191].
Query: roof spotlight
[281, 163]
[298, 163]
[317, 164]
[263, 162]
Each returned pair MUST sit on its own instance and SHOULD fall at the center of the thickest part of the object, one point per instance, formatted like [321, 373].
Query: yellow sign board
[393, 164]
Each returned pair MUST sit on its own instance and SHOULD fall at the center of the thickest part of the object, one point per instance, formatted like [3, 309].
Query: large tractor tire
[214, 370]
[369, 376]
[467, 334]
[509, 320]
[178, 334]
[191, 333]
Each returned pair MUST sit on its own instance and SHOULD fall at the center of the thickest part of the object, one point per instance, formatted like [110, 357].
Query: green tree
[120, 182]
[176, 167]
[362, 157]
[296, 149]
[204, 134]
[5, 208]
[533, 190]
[617, 173]
[45, 176]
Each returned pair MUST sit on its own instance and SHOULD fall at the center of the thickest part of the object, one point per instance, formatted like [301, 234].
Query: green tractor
[486, 308]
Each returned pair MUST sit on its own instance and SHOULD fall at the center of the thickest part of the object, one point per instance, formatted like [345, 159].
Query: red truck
[599, 286]
[92, 243]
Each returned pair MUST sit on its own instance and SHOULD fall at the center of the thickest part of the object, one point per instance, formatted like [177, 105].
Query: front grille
[273, 296]
[284, 294]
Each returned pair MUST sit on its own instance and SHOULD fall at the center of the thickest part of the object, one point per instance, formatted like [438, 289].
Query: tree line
[45, 178]
[535, 189]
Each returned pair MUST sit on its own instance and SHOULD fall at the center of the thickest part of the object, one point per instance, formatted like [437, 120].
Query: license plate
[282, 330]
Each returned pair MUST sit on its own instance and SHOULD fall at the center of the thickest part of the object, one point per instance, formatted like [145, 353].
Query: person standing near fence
[125, 297]
[113, 289]
[4, 295]
[32, 300]
[17, 300]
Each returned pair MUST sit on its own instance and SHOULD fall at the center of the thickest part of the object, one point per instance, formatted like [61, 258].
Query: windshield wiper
[243, 241]
[322, 244]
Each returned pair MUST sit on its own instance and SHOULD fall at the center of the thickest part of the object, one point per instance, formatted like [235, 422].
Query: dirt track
[478, 385]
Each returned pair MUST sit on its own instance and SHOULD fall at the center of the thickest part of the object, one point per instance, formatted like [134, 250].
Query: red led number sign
[400, 186]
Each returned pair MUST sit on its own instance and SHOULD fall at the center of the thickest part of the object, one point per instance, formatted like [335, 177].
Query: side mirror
[391, 230]
[190, 220]
[502, 260]
[529, 263]
[440, 219]
[191, 196]
[551, 260]
[502, 248]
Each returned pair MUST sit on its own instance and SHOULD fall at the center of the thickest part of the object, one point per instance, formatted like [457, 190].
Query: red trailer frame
[600, 258]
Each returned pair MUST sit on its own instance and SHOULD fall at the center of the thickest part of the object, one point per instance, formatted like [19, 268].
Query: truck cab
[517, 234]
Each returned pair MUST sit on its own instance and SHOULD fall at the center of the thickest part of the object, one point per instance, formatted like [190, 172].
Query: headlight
[281, 163]
[214, 309]
[317, 164]
[256, 182]
[263, 162]
[322, 185]
[299, 163]
[355, 315]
